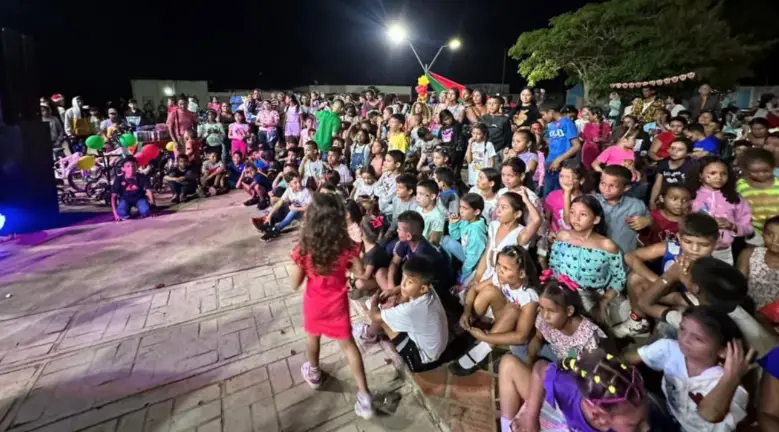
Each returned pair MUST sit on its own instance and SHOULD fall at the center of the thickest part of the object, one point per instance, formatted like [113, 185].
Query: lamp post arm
[436, 56]
[417, 56]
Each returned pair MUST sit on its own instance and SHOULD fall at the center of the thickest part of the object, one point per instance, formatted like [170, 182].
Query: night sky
[269, 44]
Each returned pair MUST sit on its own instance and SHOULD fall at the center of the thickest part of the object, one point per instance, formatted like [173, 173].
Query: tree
[635, 40]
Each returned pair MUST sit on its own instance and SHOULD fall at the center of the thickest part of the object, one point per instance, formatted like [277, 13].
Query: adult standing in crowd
[478, 107]
[646, 109]
[76, 123]
[704, 101]
[180, 121]
[526, 111]
[370, 104]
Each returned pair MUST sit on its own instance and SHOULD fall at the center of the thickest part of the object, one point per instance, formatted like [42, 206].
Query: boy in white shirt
[701, 395]
[291, 206]
[413, 318]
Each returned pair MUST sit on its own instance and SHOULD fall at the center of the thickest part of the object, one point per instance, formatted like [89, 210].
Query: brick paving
[218, 352]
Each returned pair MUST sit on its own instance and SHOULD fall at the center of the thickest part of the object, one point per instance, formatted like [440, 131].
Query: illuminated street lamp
[397, 33]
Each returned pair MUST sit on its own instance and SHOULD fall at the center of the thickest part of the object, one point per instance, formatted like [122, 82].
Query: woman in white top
[507, 231]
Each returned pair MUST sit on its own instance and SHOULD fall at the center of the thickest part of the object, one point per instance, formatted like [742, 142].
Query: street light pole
[397, 33]
[424, 67]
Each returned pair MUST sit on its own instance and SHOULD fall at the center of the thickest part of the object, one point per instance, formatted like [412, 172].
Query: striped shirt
[763, 201]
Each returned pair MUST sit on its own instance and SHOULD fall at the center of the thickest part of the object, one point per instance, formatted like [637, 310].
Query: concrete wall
[154, 90]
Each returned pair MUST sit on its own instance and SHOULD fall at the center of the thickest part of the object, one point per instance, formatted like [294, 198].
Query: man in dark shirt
[129, 190]
[182, 179]
[498, 125]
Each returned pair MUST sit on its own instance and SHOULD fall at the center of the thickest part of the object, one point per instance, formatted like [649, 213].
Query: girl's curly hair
[322, 238]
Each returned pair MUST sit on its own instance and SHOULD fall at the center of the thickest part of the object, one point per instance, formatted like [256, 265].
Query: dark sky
[279, 43]
[269, 44]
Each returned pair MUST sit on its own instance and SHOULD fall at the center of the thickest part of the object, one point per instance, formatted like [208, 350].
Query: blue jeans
[545, 353]
[551, 182]
[284, 216]
[123, 208]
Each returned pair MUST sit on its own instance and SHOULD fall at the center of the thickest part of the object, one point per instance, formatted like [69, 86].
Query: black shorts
[409, 352]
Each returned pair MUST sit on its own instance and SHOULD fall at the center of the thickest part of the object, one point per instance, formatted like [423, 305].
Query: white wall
[154, 90]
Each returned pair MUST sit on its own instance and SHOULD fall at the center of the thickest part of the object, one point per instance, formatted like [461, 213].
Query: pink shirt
[180, 122]
[714, 203]
[238, 131]
[616, 155]
[268, 119]
[554, 204]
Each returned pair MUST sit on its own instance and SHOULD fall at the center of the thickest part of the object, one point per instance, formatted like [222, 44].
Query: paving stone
[280, 377]
[254, 376]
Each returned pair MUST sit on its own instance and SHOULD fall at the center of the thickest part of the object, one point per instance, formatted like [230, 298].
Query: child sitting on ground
[353, 220]
[385, 187]
[428, 164]
[760, 265]
[131, 189]
[252, 182]
[563, 328]
[279, 185]
[321, 260]
[214, 176]
[487, 186]
[434, 218]
[364, 186]
[404, 200]
[235, 169]
[589, 393]
[558, 203]
[511, 302]
[414, 319]
[182, 179]
[334, 163]
[292, 206]
[624, 216]
[467, 237]
[700, 394]
[480, 153]
[375, 259]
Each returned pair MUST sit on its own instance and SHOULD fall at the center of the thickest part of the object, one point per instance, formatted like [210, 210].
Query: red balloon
[148, 154]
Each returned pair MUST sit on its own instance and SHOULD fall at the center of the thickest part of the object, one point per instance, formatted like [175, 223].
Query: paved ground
[90, 339]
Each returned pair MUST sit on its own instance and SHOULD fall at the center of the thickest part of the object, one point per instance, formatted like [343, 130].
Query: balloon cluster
[96, 142]
[421, 88]
[658, 82]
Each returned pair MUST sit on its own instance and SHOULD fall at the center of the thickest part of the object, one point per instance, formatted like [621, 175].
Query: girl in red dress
[322, 258]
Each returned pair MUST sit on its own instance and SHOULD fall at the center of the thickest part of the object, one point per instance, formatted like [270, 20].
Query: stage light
[455, 44]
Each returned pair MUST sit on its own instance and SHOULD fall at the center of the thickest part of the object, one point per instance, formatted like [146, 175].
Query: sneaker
[260, 225]
[251, 202]
[270, 235]
[211, 191]
[311, 375]
[364, 406]
[263, 203]
[632, 328]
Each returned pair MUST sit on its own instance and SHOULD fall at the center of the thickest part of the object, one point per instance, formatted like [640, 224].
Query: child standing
[563, 143]
[396, 138]
[700, 394]
[562, 322]
[479, 154]
[358, 151]
[714, 192]
[377, 154]
[468, 232]
[237, 133]
[672, 170]
[487, 186]
[624, 216]
[523, 147]
[427, 194]
[759, 188]
[324, 254]
[675, 202]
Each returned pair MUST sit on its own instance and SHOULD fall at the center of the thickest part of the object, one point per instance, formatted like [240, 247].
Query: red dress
[326, 302]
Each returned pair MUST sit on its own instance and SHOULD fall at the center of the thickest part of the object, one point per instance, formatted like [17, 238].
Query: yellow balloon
[86, 163]
[170, 146]
[423, 81]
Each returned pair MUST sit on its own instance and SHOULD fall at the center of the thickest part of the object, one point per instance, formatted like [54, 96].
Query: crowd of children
[460, 229]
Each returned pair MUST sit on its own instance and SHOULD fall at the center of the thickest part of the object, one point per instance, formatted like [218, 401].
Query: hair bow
[562, 279]
[377, 222]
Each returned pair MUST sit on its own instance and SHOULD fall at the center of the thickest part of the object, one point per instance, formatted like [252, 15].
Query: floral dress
[585, 338]
[763, 280]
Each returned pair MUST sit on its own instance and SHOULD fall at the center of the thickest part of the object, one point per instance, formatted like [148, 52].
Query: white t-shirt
[482, 153]
[424, 320]
[315, 169]
[301, 198]
[363, 189]
[682, 392]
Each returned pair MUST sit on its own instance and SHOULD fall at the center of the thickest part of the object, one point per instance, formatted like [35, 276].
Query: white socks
[477, 353]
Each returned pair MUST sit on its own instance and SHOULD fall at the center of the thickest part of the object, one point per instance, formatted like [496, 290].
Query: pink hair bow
[377, 222]
[562, 279]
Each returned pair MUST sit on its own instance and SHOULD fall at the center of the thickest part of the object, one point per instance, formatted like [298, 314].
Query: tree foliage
[635, 40]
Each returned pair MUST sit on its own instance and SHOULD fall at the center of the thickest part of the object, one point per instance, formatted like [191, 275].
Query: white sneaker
[632, 328]
[364, 406]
